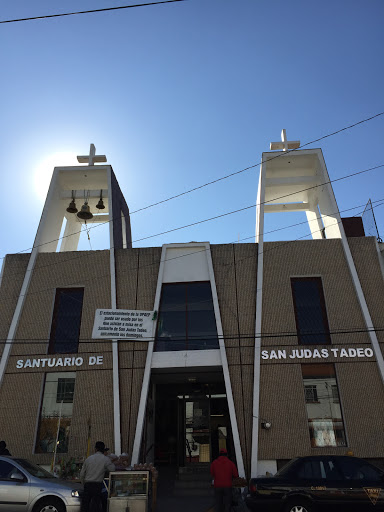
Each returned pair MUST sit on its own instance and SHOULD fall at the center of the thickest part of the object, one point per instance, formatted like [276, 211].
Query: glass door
[197, 430]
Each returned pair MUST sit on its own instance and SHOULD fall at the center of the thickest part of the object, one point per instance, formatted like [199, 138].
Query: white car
[25, 487]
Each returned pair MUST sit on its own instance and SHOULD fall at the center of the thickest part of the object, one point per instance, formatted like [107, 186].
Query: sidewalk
[167, 502]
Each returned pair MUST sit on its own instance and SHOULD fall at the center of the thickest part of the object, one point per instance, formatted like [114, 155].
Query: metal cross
[92, 157]
[284, 144]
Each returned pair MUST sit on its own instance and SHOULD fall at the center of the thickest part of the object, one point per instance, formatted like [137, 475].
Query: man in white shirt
[92, 475]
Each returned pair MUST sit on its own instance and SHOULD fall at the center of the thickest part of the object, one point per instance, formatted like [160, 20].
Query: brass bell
[85, 212]
[100, 204]
[72, 207]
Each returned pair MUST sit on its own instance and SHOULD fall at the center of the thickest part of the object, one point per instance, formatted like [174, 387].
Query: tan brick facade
[361, 390]
[235, 266]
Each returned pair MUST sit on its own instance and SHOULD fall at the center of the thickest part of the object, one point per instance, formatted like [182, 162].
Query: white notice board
[123, 324]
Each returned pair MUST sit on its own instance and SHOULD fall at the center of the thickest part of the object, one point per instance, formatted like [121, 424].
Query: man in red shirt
[223, 471]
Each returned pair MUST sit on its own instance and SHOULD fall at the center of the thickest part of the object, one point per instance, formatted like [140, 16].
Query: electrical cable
[86, 253]
[169, 259]
[279, 155]
[90, 11]
[129, 269]
[274, 335]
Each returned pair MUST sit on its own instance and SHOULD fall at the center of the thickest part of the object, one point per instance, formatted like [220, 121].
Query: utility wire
[255, 205]
[221, 215]
[157, 263]
[82, 254]
[279, 155]
[258, 164]
[273, 335]
[90, 11]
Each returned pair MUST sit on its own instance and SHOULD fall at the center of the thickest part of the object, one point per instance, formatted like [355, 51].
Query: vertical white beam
[224, 363]
[259, 303]
[314, 221]
[2, 270]
[115, 347]
[71, 235]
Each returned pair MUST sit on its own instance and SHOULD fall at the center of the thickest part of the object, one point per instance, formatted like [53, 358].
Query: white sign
[54, 362]
[323, 353]
[123, 324]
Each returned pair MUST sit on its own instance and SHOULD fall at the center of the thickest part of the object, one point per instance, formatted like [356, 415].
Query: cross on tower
[284, 144]
[92, 157]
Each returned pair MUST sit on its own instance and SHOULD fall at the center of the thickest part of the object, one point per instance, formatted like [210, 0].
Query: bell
[85, 212]
[100, 204]
[72, 207]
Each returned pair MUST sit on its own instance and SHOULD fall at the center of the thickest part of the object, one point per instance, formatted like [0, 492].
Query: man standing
[3, 449]
[223, 471]
[92, 475]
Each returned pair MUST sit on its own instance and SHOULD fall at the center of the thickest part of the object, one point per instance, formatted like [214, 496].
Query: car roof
[326, 456]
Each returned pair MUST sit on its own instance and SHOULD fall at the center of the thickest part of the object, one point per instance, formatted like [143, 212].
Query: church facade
[271, 350]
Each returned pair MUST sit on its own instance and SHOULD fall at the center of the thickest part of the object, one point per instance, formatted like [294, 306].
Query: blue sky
[181, 94]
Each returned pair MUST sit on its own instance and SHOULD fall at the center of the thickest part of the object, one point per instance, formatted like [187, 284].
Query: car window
[359, 470]
[309, 470]
[33, 469]
[288, 468]
[370, 473]
[329, 470]
[7, 470]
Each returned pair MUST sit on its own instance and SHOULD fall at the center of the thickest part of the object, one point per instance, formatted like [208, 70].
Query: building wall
[235, 274]
[20, 394]
[281, 393]
[137, 271]
[14, 269]
[365, 256]
[282, 399]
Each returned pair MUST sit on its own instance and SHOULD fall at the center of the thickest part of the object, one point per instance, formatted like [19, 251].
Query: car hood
[57, 483]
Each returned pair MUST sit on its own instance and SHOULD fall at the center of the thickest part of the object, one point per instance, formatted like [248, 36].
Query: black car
[329, 482]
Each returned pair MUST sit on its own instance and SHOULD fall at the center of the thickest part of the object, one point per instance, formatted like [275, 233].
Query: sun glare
[43, 171]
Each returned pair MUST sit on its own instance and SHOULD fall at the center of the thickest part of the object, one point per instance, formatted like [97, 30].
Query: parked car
[317, 483]
[25, 487]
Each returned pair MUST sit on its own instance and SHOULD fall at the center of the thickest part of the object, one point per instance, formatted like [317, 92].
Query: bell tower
[84, 194]
[297, 181]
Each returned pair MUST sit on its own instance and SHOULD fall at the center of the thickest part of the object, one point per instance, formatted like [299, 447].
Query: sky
[181, 94]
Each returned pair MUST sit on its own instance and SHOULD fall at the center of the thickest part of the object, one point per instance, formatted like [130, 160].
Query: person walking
[3, 449]
[92, 475]
[223, 471]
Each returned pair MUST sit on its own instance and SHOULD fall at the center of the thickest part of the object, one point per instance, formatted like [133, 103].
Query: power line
[177, 257]
[281, 334]
[90, 11]
[257, 204]
[279, 155]
[224, 214]
[82, 254]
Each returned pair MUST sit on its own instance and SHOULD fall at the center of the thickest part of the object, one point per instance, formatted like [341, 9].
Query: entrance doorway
[191, 419]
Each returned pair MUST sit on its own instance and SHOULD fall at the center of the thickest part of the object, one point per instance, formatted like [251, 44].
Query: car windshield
[33, 469]
[286, 468]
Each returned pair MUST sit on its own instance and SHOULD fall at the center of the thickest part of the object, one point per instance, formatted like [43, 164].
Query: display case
[128, 491]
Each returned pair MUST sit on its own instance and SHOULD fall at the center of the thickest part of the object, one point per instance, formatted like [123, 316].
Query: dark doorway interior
[191, 420]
